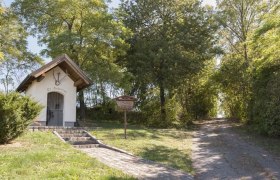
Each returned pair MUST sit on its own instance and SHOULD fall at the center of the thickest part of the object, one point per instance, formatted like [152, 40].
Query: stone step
[77, 138]
[70, 131]
[86, 146]
[73, 134]
[61, 127]
[82, 142]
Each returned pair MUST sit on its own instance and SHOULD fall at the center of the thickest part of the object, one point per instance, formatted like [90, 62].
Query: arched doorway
[55, 109]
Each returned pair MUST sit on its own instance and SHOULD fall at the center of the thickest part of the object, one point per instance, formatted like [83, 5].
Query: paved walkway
[219, 153]
[135, 166]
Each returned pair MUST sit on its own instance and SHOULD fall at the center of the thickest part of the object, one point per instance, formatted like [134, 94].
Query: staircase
[79, 138]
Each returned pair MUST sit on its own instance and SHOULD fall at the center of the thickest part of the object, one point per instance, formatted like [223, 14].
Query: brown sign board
[125, 103]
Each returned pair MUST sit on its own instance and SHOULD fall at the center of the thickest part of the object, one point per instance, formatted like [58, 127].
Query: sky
[32, 41]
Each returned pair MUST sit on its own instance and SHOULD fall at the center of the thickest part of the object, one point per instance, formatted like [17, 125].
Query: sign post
[125, 124]
[125, 103]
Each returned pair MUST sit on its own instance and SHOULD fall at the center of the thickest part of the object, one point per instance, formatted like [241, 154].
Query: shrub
[266, 101]
[16, 113]
[152, 114]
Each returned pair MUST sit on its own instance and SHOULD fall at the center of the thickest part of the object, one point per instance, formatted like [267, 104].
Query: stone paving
[135, 166]
[219, 153]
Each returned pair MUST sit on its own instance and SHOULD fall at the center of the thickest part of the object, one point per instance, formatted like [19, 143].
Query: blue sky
[32, 41]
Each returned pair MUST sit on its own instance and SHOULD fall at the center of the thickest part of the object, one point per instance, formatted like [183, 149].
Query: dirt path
[219, 153]
[136, 166]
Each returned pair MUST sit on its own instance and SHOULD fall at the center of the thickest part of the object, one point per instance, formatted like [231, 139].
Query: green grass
[271, 144]
[168, 146]
[43, 156]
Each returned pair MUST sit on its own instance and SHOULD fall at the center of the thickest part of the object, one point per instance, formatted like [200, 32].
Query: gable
[79, 78]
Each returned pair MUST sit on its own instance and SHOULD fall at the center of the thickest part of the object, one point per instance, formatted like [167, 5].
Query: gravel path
[219, 153]
[135, 166]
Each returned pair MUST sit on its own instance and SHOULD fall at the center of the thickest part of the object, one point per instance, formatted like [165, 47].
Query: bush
[152, 114]
[101, 112]
[16, 113]
[266, 105]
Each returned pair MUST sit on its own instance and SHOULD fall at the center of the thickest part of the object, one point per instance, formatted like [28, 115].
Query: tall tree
[266, 70]
[238, 19]
[171, 41]
[2, 10]
[14, 56]
[83, 29]
[12, 36]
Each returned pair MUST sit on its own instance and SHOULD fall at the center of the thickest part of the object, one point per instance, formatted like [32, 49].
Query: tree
[265, 48]
[198, 95]
[238, 19]
[2, 10]
[14, 56]
[171, 41]
[83, 29]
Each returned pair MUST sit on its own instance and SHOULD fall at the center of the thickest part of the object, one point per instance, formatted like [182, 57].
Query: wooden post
[125, 103]
[125, 124]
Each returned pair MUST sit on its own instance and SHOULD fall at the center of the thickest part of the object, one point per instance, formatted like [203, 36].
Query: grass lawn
[271, 144]
[41, 155]
[168, 146]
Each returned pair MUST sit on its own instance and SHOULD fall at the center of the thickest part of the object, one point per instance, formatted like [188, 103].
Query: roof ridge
[50, 65]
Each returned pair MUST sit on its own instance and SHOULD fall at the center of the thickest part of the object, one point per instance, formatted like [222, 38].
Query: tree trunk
[82, 106]
[103, 93]
[246, 55]
[162, 103]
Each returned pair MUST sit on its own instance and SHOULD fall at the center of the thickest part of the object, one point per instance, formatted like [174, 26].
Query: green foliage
[152, 114]
[249, 75]
[12, 36]
[173, 112]
[266, 84]
[151, 111]
[238, 20]
[82, 29]
[198, 94]
[171, 41]
[16, 113]
[266, 100]
[234, 83]
[107, 111]
[2, 10]
[14, 55]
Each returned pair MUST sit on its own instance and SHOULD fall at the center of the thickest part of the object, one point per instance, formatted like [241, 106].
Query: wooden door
[55, 109]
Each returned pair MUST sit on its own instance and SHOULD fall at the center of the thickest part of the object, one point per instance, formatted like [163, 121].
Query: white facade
[39, 92]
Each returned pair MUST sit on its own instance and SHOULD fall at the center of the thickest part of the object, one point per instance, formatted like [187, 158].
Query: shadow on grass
[117, 125]
[119, 178]
[136, 131]
[131, 134]
[142, 134]
[172, 133]
[170, 156]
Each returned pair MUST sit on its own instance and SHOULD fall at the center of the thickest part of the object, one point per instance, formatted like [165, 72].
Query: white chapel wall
[39, 91]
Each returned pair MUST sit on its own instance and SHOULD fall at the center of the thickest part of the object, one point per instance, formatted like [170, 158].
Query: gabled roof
[80, 79]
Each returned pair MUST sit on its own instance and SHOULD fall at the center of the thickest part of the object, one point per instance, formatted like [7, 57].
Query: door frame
[63, 123]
